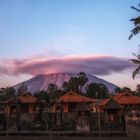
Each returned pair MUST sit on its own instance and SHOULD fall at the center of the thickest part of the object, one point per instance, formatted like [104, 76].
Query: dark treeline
[78, 84]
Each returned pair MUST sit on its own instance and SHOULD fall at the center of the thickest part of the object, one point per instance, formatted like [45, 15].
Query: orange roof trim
[23, 98]
[123, 99]
[26, 98]
[104, 102]
[72, 97]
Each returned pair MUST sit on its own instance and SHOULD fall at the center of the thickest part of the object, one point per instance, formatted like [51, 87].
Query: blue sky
[57, 29]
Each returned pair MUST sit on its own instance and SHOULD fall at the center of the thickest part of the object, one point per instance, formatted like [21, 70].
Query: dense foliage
[97, 91]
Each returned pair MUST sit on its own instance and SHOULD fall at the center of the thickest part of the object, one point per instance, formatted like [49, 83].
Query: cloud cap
[98, 65]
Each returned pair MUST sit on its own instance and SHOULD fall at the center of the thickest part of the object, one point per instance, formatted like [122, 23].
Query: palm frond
[136, 20]
[131, 35]
[134, 31]
[138, 56]
[135, 61]
[135, 8]
[136, 72]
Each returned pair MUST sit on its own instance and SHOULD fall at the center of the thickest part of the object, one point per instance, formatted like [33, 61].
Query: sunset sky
[49, 36]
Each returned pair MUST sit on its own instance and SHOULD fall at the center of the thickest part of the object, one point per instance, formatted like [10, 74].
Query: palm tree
[82, 80]
[136, 22]
[135, 31]
[92, 90]
[65, 86]
[137, 62]
[52, 88]
[73, 84]
[97, 90]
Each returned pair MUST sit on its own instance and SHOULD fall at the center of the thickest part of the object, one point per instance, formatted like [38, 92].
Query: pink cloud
[99, 65]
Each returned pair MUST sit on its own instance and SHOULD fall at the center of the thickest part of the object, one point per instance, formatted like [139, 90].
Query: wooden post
[7, 119]
[99, 123]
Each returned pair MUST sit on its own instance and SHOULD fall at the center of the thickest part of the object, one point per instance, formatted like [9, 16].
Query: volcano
[41, 82]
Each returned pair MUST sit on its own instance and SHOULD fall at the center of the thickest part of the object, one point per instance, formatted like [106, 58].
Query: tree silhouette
[137, 62]
[76, 83]
[65, 87]
[97, 90]
[118, 90]
[51, 88]
[136, 22]
[82, 80]
[135, 31]
[126, 90]
[43, 95]
[92, 90]
[10, 92]
[22, 89]
[138, 90]
[73, 84]
[6, 93]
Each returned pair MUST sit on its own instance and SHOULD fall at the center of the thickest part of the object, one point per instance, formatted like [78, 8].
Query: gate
[13, 117]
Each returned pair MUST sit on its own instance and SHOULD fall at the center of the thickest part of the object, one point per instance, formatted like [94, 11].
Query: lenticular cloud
[99, 65]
